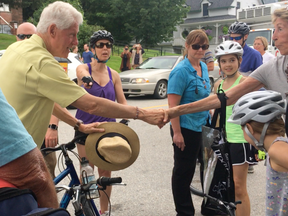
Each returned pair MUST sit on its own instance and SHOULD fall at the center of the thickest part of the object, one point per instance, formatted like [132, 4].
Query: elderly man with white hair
[36, 80]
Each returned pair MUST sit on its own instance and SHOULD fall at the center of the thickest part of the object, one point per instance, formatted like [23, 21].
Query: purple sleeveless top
[107, 92]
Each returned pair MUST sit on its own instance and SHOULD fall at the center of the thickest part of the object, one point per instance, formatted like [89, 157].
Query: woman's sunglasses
[23, 36]
[101, 45]
[197, 46]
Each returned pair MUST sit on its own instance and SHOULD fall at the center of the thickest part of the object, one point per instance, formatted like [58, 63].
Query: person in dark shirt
[125, 55]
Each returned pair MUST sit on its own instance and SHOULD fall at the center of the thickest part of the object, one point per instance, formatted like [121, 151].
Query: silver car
[150, 78]
[214, 75]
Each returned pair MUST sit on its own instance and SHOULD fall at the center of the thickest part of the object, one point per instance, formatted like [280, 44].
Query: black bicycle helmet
[99, 35]
[239, 28]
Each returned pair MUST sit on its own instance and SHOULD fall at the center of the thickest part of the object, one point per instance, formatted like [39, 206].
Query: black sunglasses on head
[197, 46]
[101, 45]
[23, 36]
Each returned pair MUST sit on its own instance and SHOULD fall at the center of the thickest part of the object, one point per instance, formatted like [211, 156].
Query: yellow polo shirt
[32, 80]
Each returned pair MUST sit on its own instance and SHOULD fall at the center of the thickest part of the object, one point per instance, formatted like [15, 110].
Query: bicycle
[230, 207]
[75, 190]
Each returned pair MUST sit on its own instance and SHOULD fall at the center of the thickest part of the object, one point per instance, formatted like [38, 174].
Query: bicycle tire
[86, 206]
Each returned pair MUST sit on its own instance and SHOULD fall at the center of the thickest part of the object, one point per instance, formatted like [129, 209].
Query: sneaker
[250, 169]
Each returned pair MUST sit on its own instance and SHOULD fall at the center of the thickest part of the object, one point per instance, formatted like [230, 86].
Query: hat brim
[112, 127]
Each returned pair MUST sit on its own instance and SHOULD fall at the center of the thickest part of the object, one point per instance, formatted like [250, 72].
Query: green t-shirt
[32, 80]
[234, 132]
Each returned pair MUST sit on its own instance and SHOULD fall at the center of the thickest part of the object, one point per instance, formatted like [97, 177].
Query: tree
[147, 21]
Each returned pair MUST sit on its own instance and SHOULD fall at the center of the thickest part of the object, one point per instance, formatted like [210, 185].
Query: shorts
[241, 153]
[82, 140]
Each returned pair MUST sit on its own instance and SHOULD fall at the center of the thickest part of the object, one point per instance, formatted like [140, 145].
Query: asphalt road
[148, 190]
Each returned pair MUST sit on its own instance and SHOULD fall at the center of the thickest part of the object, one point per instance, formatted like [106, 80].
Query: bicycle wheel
[87, 207]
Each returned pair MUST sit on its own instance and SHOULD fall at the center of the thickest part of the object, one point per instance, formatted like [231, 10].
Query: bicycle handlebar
[68, 146]
[103, 182]
[232, 205]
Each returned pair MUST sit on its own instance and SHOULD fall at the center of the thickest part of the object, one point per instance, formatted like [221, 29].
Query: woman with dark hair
[106, 84]
[188, 82]
[125, 55]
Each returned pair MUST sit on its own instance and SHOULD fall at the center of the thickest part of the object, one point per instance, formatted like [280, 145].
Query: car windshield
[159, 63]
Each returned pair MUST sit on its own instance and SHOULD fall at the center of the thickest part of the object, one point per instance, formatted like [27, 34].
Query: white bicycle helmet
[228, 47]
[259, 106]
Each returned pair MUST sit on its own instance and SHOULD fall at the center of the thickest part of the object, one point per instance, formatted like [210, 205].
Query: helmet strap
[259, 144]
[243, 43]
[101, 61]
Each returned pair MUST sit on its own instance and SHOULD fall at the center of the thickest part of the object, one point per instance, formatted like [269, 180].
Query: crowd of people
[42, 90]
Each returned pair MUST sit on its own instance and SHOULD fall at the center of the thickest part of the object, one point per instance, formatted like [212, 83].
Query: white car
[216, 74]
[73, 62]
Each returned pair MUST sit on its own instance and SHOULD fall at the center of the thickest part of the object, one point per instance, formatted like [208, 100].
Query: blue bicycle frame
[70, 170]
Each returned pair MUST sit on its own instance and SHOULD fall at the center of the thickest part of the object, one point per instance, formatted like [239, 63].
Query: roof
[207, 19]
[220, 4]
[195, 5]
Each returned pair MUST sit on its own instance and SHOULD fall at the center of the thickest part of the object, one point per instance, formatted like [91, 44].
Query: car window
[158, 63]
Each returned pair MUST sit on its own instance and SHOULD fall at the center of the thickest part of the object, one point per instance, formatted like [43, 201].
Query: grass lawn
[6, 40]
[114, 63]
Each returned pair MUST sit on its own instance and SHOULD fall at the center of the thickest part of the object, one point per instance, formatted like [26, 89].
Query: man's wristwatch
[77, 125]
[53, 126]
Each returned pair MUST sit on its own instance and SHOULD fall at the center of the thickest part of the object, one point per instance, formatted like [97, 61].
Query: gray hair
[62, 14]
[281, 13]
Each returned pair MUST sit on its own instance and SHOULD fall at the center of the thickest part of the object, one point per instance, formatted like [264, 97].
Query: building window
[205, 9]
[238, 5]
[4, 7]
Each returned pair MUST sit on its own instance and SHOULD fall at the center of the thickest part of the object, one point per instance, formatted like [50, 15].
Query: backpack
[22, 202]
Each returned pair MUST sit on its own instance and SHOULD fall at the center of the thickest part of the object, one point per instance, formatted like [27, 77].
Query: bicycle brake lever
[87, 80]
[119, 184]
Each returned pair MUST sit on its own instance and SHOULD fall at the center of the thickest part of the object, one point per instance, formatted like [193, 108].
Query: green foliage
[185, 33]
[6, 40]
[146, 21]
[85, 30]
[45, 3]
[84, 34]
[225, 30]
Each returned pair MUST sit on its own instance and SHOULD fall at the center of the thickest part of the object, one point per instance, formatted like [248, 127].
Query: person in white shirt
[261, 45]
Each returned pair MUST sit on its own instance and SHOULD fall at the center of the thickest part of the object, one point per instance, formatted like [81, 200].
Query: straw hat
[115, 149]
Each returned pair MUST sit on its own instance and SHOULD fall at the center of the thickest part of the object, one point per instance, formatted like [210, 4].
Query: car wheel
[211, 83]
[161, 90]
